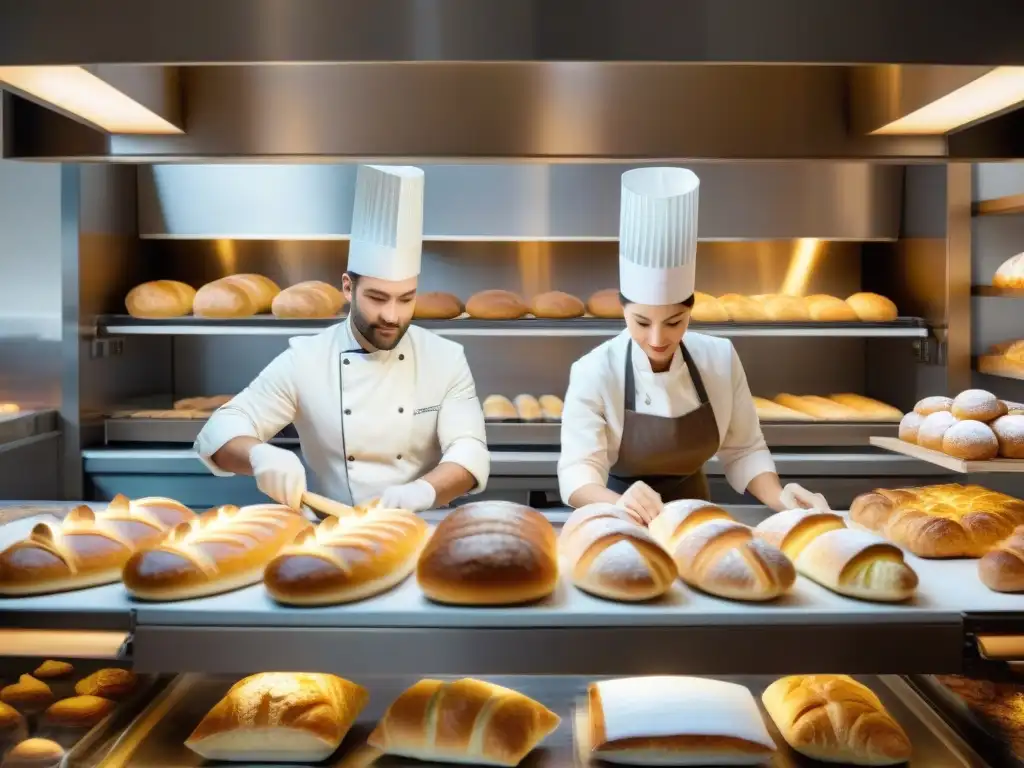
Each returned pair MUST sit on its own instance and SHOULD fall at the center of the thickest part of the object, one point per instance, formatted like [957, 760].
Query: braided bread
[223, 549]
[88, 548]
[348, 558]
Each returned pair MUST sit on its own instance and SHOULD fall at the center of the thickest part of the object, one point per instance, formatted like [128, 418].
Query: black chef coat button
[348, 411]
[399, 457]
[401, 409]
[351, 458]
[345, 361]
[401, 357]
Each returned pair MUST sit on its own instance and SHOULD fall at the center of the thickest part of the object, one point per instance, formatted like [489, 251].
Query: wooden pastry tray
[896, 445]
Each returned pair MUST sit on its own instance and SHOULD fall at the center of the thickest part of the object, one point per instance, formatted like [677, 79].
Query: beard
[371, 331]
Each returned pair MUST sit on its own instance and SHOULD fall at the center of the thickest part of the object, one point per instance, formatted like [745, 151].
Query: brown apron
[666, 453]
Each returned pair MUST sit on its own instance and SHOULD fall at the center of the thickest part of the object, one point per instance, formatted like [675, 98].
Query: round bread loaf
[160, 299]
[605, 304]
[977, 404]
[743, 309]
[829, 309]
[1009, 431]
[708, 309]
[557, 305]
[528, 408]
[787, 309]
[309, 299]
[221, 299]
[551, 407]
[1011, 273]
[262, 289]
[933, 429]
[34, 753]
[496, 305]
[971, 441]
[1001, 569]
[436, 305]
[933, 404]
[873, 308]
[499, 408]
[909, 425]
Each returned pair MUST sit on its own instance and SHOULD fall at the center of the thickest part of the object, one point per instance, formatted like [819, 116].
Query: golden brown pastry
[909, 426]
[1009, 431]
[436, 305]
[27, 695]
[294, 717]
[793, 529]
[496, 305]
[499, 408]
[1010, 273]
[708, 309]
[528, 408]
[743, 309]
[34, 753]
[933, 429]
[78, 711]
[977, 404]
[829, 309]
[971, 441]
[109, 683]
[160, 299]
[1001, 569]
[836, 719]
[551, 407]
[235, 296]
[787, 309]
[873, 308]
[605, 304]
[821, 407]
[309, 299]
[53, 670]
[769, 410]
[12, 724]
[557, 305]
[463, 721]
[858, 564]
[933, 404]
[872, 409]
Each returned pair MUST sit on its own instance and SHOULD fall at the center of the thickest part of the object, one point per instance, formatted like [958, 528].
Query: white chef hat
[387, 222]
[658, 235]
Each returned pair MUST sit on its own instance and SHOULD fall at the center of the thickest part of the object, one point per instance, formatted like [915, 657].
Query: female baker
[646, 410]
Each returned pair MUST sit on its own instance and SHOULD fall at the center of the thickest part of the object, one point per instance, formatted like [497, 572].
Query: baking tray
[156, 737]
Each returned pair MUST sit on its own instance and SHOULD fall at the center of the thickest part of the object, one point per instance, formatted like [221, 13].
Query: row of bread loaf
[838, 407]
[234, 296]
[633, 721]
[523, 408]
[781, 308]
[974, 426]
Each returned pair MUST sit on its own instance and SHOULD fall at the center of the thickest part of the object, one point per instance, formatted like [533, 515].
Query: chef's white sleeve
[460, 427]
[744, 452]
[261, 410]
[584, 457]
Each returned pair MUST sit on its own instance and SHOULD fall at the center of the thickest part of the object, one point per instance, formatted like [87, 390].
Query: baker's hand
[279, 474]
[642, 501]
[415, 496]
[795, 496]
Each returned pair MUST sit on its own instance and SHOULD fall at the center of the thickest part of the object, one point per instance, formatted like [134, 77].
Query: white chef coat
[594, 408]
[366, 421]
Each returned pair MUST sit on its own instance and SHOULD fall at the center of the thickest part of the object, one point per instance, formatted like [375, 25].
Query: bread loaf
[557, 305]
[1010, 273]
[909, 426]
[499, 408]
[787, 309]
[769, 410]
[224, 300]
[53, 670]
[605, 304]
[793, 529]
[528, 408]
[27, 695]
[971, 441]
[294, 717]
[676, 721]
[872, 409]
[109, 683]
[873, 308]
[496, 305]
[34, 753]
[977, 404]
[611, 556]
[551, 407]
[708, 309]
[1001, 569]
[820, 407]
[933, 404]
[679, 517]
[223, 549]
[940, 520]
[490, 553]
[78, 712]
[836, 719]
[463, 721]
[160, 299]
[743, 309]
[858, 564]
[309, 299]
[436, 305]
[1009, 431]
[348, 558]
[933, 429]
[88, 548]
[829, 309]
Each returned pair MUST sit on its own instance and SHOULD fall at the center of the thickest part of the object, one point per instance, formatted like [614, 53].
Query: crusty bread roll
[294, 717]
[675, 721]
[34, 753]
[858, 564]
[261, 288]
[708, 309]
[499, 408]
[769, 410]
[78, 711]
[309, 299]
[933, 404]
[436, 305]
[610, 555]
[787, 309]
[829, 309]
[160, 299]
[496, 305]
[605, 304]
[873, 308]
[223, 549]
[909, 426]
[1009, 431]
[836, 719]
[490, 553]
[971, 441]
[1001, 569]
[872, 409]
[223, 300]
[679, 517]
[551, 407]
[556, 305]
[793, 529]
[977, 404]
[53, 670]
[820, 407]
[933, 429]
[348, 559]
[743, 309]
[88, 548]
[27, 695]
[108, 683]
[463, 721]
[1010, 273]
[528, 408]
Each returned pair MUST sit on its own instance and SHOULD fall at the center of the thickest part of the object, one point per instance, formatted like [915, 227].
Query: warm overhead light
[801, 266]
[999, 89]
[83, 94]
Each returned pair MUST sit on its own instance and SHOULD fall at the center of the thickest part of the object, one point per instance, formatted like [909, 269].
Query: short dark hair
[688, 303]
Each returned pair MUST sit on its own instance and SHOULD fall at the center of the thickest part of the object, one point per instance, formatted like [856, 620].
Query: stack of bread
[780, 308]
[523, 408]
[1006, 358]
[1010, 274]
[839, 407]
[974, 426]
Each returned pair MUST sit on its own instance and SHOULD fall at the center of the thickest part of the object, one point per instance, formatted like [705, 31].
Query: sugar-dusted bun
[605, 304]
[1011, 273]
[829, 309]
[1009, 431]
[160, 299]
[743, 309]
[970, 440]
[436, 305]
[909, 426]
[977, 404]
[557, 305]
[873, 308]
[787, 309]
[933, 429]
[496, 305]
[708, 309]
[933, 404]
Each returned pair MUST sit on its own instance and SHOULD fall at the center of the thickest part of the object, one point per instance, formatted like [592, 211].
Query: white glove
[415, 496]
[641, 501]
[279, 474]
[795, 496]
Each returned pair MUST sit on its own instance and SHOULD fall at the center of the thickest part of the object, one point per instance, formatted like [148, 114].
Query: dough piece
[436, 305]
[34, 753]
[528, 408]
[793, 529]
[873, 308]
[551, 407]
[109, 683]
[909, 426]
[787, 309]
[829, 309]
[708, 309]
[27, 695]
[160, 299]
[1001, 569]
[309, 299]
[605, 304]
[496, 305]
[463, 721]
[612, 556]
[294, 717]
[676, 721]
[769, 410]
[1009, 431]
[53, 670]
[1010, 273]
[743, 309]
[933, 404]
[78, 712]
[499, 408]
[858, 564]
[970, 441]
[835, 719]
[933, 429]
[557, 305]
[977, 404]
[873, 409]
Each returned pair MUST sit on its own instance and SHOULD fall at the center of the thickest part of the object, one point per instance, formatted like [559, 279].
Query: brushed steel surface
[958, 278]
